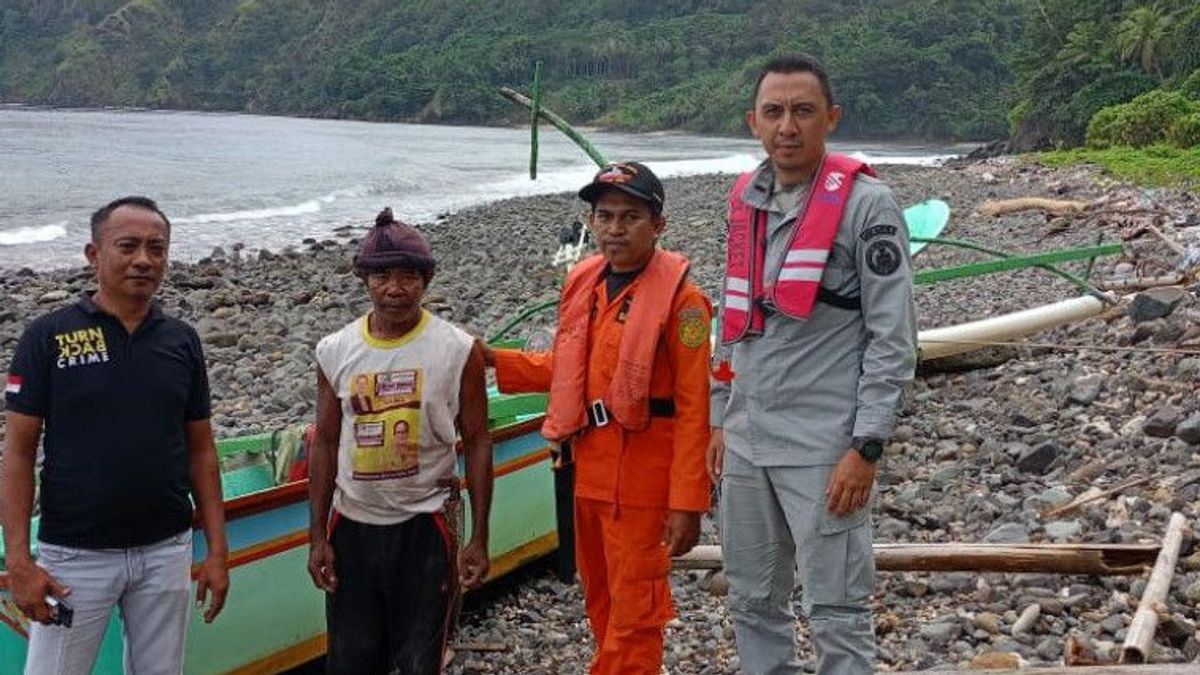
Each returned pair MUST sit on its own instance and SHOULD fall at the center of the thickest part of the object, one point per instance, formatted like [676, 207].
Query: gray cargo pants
[773, 522]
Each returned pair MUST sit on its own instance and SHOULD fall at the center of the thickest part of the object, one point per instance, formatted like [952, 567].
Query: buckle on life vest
[598, 414]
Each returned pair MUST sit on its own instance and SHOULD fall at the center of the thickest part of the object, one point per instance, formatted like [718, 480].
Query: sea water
[270, 182]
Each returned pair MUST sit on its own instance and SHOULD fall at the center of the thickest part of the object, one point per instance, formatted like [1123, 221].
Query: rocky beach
[981, 450]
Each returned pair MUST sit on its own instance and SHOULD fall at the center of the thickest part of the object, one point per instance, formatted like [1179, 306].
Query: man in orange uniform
[628, 382]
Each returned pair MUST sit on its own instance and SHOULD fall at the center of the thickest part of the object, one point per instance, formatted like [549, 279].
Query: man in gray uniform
[803, 406]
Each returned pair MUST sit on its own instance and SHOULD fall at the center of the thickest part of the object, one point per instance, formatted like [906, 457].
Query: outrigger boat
[274, 618]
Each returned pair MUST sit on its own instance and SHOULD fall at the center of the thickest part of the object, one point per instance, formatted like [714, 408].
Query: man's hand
[682, 532]
[30, 585]
[849, 487]
[472, 564]
[714, 456]
[320, 566]
[213, 585]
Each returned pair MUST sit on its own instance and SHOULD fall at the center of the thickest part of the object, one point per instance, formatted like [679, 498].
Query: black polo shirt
[114, 405]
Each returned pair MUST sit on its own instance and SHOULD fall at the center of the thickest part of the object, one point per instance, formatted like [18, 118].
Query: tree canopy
[1039, 70]
[902, 68]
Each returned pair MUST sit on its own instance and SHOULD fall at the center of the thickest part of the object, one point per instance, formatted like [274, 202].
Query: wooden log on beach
[1058, 207]
[1145, 621]
[1100, 559]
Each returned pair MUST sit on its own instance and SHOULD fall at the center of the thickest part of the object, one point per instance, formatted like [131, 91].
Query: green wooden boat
[274, 618]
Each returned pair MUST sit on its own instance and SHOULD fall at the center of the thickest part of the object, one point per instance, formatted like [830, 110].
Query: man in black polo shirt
[121, 393]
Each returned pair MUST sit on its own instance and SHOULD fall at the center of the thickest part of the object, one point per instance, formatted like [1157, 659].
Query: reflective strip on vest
[806, 255]
[798, 282]
[801, 274]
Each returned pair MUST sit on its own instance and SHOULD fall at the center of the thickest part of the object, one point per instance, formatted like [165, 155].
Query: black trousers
[391, 611]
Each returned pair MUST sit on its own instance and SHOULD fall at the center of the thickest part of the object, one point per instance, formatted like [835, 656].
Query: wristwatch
[871, 449]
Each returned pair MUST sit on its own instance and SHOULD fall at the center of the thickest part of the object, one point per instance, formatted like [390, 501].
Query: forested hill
[903, 68]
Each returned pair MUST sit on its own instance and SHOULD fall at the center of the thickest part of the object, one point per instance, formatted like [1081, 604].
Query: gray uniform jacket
[804, 388]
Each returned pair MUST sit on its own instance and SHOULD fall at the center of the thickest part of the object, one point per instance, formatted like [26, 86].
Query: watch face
[871, 450]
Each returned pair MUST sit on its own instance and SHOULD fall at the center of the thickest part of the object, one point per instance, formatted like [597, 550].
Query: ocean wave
[306, 207]
[303, 208]
[33, 234]
[356, 191]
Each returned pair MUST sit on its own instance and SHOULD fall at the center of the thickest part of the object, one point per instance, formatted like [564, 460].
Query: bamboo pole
[534, 109]
[1141, 283]
[562, 125]
[1145, 621]
[1010, 261]
[1100, 559]
[1095, 494]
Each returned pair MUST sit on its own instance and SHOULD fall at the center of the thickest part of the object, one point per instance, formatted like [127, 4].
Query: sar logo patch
[833, 182]
[693, 329]
[883, 257]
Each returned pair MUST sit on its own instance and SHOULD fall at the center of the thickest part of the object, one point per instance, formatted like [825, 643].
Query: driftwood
[1142, 283]
[1101, 559]
[1058, 207]
[1094, 494]
[1156, 669]
[1145, 621]
[1152, 229]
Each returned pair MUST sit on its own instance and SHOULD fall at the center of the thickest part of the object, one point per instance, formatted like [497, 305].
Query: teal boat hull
[274, 618]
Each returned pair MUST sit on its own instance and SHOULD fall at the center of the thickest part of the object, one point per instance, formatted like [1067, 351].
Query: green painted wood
[272, 604]
[1016, 262]
[506, 409]
[1079, 282]
[522, 509]
[533, 121]
[561, 124]
[251, 444]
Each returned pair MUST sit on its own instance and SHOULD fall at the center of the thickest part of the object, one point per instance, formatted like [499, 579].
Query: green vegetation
[1152, 165]
[1156, 116]
[1113, 72]
[920, 68]
[1122, 76]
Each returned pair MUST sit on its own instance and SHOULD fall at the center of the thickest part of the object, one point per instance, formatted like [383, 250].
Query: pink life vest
[796, 288]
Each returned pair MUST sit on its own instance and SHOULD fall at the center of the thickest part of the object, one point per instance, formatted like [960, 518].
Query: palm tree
[1083, 44]
[1143, 37]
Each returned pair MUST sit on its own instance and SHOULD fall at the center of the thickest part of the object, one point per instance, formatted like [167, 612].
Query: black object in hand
[64, 614]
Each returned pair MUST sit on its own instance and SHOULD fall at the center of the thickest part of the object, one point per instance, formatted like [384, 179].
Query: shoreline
[900, 140]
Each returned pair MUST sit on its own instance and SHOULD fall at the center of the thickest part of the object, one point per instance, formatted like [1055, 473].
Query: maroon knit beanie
[391, 244]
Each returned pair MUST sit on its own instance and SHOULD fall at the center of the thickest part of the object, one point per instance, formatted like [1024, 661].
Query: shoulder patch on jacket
[883, 257]
[877, 231]
[693, 329]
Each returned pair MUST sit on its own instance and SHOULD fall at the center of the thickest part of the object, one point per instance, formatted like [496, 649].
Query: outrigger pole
[550, 116]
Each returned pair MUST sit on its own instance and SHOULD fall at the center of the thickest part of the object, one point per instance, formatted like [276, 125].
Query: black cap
[630, 177]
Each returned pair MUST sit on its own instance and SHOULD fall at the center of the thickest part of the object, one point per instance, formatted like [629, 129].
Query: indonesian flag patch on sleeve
[14, 385]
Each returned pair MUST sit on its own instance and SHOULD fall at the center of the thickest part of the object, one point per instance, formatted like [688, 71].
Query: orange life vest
[628, 398]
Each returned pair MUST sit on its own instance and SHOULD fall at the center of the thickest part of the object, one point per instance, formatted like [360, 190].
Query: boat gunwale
[297, 491]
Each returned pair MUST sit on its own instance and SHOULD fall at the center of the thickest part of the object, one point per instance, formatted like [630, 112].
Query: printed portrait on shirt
[387, 424]
[387, 445]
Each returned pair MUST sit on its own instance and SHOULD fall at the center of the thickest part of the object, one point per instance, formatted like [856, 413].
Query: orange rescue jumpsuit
[626, 482]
